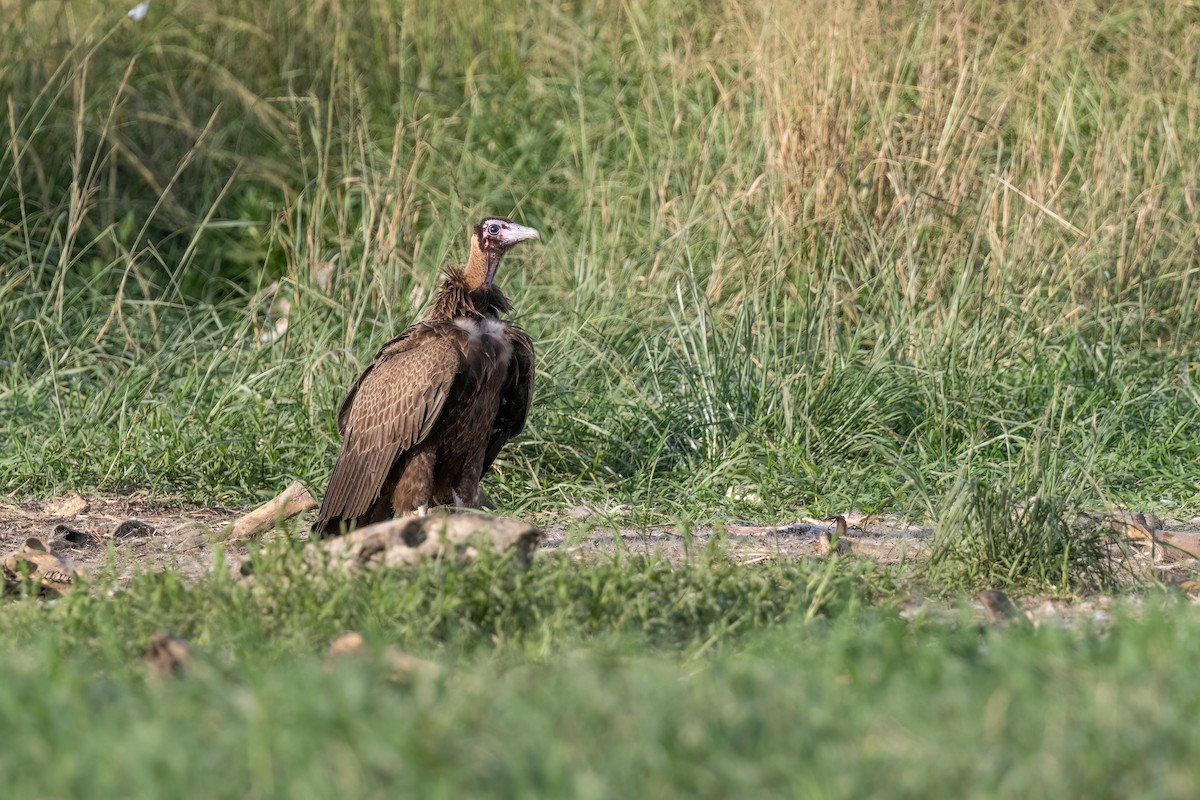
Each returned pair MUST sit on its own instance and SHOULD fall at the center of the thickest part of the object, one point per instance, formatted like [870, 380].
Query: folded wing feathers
[393, 407]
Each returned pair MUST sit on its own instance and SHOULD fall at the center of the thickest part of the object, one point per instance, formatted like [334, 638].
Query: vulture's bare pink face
[504, 233]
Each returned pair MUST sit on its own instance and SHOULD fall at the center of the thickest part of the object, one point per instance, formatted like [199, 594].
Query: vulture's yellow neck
[481, 267]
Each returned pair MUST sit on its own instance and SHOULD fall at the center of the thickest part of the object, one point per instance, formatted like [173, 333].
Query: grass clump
[554, 603]
[988, 536]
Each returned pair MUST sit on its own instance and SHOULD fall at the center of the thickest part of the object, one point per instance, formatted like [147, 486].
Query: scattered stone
[66, 537]
[580, 512]
[192, 540]
[132, 528]
[402, 666]
[1047, 614]
[801, 528]
[911, 608]
[999, 608]
[65, 507]
[166, 656]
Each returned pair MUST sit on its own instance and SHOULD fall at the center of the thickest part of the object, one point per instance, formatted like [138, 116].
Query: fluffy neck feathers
[460, 296]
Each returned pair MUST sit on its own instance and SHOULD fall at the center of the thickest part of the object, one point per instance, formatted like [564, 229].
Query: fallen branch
[291, 501]
[405, 541]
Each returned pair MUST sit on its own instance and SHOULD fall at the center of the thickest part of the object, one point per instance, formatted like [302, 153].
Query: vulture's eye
[493, 229]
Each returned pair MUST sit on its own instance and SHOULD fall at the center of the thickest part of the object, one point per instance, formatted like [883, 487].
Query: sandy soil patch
[129, 535]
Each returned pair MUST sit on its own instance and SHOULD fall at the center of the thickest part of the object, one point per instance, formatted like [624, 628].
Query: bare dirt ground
[83, 530]
[144, 536]
[885, 539]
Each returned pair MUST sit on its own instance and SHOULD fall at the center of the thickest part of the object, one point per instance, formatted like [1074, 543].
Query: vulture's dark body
[428, 417]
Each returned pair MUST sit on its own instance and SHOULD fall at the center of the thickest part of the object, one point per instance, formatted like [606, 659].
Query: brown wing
[391, 408]
[395, 345]
[518, 394]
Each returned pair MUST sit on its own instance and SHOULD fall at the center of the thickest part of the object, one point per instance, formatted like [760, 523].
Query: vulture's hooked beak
[512, 233]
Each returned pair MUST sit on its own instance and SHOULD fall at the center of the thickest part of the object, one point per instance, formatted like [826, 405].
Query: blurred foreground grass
[627, 678]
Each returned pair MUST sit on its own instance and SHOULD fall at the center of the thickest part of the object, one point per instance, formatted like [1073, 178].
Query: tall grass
[797, 257]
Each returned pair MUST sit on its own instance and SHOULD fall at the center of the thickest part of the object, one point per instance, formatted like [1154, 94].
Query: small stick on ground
[291, 501]
[835, 542]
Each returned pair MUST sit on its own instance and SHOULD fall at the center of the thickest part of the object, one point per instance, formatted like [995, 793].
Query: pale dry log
[291, 501]
[405, 541]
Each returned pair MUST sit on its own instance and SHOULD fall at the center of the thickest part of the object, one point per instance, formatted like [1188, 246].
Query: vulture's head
[493, 237]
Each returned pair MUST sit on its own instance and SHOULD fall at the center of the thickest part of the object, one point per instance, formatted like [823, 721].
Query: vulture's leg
[466, 491]
[415, 486]
[469, 499]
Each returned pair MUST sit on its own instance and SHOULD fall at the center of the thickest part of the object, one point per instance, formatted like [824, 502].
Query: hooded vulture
[427, 418]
